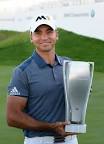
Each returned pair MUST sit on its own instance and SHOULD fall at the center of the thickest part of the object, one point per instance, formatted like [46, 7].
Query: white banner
[84, 19]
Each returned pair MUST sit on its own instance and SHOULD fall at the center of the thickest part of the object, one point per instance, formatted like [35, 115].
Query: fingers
[60, 128]
[70, 133]
[63, 123]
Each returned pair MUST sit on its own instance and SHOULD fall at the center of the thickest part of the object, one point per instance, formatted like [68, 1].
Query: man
[36, 103]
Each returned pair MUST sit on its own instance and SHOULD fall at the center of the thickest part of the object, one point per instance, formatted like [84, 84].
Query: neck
[49, 57]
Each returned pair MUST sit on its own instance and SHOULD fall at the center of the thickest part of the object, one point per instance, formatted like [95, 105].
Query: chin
[47, 50]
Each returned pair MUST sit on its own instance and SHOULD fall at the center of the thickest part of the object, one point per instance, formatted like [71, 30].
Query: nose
[44, 36]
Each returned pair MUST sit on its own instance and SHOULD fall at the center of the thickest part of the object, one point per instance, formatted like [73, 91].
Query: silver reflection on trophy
[77, 84]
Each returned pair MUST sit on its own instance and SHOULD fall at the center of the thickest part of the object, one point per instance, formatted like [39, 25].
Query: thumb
[65, 123]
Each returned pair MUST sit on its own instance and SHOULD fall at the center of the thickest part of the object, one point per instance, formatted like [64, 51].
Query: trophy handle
[66, 71]
[91, 68]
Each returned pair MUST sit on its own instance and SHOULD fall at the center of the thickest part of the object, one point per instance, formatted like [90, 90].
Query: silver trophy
[77, 84]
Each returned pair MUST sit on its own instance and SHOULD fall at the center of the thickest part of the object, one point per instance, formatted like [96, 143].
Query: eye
[50, 31]
[37, 32]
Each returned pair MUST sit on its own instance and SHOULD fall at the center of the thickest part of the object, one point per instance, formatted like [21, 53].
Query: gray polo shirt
[42, 85]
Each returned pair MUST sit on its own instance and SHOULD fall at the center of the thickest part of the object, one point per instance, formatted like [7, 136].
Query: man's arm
[16, 117]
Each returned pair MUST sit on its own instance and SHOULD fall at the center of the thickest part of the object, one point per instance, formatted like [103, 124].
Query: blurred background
[81, 16]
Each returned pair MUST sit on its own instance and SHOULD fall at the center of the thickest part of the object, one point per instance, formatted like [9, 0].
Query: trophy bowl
[77, 77]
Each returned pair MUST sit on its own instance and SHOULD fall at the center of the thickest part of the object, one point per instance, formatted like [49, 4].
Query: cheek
[35, 40]
[54, 37]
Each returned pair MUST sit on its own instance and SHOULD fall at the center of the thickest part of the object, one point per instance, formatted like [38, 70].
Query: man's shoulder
[25, 64]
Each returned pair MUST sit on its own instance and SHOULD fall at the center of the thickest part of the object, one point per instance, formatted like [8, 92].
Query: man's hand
[59, 128]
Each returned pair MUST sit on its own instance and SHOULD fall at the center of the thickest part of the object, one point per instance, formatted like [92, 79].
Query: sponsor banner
[83, 19]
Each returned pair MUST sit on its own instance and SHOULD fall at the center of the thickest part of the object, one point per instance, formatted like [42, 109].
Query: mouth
[45, 43]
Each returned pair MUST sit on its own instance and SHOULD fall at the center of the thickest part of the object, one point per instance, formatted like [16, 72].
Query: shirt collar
[59, 59]
[41, 63]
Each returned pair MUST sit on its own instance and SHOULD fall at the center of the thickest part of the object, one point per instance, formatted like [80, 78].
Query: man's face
[44, 38]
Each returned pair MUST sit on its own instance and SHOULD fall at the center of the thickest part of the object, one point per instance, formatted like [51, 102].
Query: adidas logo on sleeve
[14, 91]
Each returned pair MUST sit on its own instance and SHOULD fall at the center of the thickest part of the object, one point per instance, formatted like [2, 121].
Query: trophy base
[76, 128]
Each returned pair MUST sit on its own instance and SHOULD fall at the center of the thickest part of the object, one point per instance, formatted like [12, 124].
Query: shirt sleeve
[18, 85]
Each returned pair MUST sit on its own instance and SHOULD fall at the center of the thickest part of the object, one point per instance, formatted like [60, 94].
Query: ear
[57, 36]
[31, 37]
